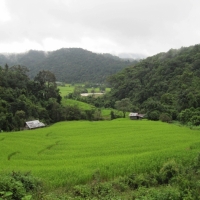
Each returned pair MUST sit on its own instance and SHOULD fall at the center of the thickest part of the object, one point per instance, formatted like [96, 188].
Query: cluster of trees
[23, 99]
[86, 88]
[71, 65]
[166, 85]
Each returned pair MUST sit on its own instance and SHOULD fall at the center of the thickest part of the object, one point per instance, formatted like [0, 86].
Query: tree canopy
[23, 99]
[164, 83]
[71, 65]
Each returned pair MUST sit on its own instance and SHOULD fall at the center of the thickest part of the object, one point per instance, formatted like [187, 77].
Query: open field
[81, 105]
[105, 112]
[84, 106]
[65, 90]
[68, 88]
[69, 153]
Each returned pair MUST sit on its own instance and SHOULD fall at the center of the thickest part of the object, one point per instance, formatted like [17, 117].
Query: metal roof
[35, 124]
[133, 114]
[136, 115]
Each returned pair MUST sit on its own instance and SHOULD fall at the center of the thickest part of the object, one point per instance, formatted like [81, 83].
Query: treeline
[164, 85]
[23, 99]
[70, 65]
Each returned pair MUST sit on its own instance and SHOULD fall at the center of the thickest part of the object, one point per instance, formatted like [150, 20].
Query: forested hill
[164, 83]
[68, 64]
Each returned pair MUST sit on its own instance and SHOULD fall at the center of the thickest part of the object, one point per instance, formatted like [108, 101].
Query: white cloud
[134, 26]
[4, 14]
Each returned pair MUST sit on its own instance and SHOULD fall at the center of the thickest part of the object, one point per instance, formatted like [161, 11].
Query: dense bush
[171, 181]
[165, 117]
[22, 99]
[18, 186]
[167, 82]
[190, 115]
[153, 115]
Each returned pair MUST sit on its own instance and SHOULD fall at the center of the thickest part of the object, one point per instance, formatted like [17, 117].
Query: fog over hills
[69, 64]
[132, 56]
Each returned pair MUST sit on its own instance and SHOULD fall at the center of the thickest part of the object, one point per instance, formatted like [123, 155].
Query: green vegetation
[19, 186]
[65, 90]
[76, 149]
[124, 105]
[79, 104]
[67, 154]
[22, 99]
[96, 159]
[167, 83]
[70, 65]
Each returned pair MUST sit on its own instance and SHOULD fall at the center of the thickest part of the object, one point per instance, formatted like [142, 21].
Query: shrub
[195, 120]
[153, 115]
[165, 117]
[11, 189]
[82, 191]
[162, 193]
[29, 182]
[17, 185]
[120, 184]
[169, 170]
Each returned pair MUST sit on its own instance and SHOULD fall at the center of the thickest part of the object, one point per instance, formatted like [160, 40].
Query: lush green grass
[97, 89]
[84, 106]
[69, 153]
[65, 90]
[80, 104]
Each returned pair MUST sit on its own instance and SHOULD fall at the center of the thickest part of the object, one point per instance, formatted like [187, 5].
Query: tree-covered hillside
[164, 84]
[71, 65]
[22, 99]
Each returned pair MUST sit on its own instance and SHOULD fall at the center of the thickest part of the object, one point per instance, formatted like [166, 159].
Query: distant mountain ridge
[71, 65]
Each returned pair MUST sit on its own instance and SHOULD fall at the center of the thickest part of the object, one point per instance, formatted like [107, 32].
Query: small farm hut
[136, 116]
[34, 124]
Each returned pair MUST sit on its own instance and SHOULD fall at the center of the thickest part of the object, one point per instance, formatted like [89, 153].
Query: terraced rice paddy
[69, 153]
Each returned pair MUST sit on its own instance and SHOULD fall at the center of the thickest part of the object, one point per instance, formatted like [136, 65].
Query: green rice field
[72, 102]
[65, 90]
[68, 88]
[70, 153]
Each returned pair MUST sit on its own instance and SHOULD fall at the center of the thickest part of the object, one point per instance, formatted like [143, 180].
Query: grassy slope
[64, 91]
[80, 104]
[84, 106]
[69, 153]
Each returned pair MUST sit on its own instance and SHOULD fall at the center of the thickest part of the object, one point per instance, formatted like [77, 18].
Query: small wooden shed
[136, 116]
[34, 124]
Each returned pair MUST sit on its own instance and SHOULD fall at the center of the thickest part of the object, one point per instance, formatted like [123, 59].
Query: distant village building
[34, 124]
[136, 116]
[90, 94]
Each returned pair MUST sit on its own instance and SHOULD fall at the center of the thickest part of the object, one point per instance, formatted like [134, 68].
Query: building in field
[136, 116]
[34, 124]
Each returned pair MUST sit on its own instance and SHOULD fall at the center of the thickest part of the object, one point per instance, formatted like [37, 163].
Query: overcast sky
[105, 26]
